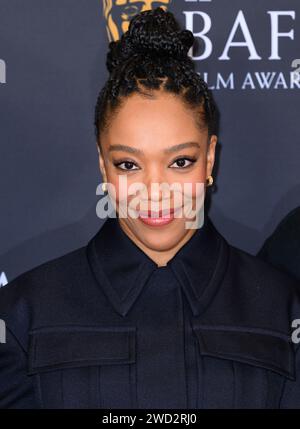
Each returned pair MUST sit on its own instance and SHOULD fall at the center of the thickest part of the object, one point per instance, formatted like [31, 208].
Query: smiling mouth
[161, 214]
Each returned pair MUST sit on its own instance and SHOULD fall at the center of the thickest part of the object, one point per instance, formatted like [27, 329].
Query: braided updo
[153, 55]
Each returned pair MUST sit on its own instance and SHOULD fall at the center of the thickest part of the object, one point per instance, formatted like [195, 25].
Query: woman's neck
[161, 258]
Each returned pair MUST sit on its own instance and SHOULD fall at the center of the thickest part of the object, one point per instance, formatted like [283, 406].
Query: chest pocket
[84, 367]
[242, 368]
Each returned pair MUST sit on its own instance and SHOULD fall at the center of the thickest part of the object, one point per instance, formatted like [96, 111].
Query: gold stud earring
[104, 186]
[209, 181]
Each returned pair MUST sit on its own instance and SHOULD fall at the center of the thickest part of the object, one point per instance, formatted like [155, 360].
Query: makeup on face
[158, 218]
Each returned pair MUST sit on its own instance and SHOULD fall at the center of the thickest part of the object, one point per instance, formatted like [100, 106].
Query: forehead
[162, 120]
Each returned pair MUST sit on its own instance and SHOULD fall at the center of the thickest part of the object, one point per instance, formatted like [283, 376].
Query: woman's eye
[183, 162]
[128, 165]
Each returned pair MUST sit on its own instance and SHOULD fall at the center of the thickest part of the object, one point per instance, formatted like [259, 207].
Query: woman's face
[151, 142]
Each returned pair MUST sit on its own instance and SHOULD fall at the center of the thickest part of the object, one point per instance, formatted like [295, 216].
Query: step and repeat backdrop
[52, 66]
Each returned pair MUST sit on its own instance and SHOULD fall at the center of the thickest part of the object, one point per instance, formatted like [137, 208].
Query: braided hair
[153, 55]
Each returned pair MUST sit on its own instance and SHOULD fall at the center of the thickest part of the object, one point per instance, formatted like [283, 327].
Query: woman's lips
[161, 217]
[156, 214]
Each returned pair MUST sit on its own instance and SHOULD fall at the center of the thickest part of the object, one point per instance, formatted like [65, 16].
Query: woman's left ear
[211, 151]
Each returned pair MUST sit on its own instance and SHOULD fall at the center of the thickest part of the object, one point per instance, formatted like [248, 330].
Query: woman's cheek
[125, 195]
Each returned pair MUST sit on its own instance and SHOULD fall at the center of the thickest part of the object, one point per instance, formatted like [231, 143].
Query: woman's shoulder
[281, 248]
[30, 285]
[264, 294]
[42, 294]
[261, 278]
[255, 276]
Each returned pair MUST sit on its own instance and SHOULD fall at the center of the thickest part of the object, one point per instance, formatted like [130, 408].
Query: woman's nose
[157, 187]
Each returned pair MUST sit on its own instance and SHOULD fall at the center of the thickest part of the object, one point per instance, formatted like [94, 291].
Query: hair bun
[152, 32]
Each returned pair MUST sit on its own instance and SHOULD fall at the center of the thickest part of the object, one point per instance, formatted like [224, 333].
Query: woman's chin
[160, 237]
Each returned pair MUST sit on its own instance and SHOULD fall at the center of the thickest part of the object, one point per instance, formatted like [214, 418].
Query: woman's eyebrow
[175, 148]
[181, 146]
[124, 148]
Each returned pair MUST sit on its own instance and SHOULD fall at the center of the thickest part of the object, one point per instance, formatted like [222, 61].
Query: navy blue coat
[282, 247]
[104, 327]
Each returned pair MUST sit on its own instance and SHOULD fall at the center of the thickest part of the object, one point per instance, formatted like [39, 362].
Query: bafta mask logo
[118, 14]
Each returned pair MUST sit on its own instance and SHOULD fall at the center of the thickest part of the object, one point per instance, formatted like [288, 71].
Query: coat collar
[122, 269]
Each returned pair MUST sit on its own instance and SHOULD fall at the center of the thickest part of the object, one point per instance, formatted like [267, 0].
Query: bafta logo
[118, 14]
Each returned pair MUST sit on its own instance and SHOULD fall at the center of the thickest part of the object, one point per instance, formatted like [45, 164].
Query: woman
[158, 310]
